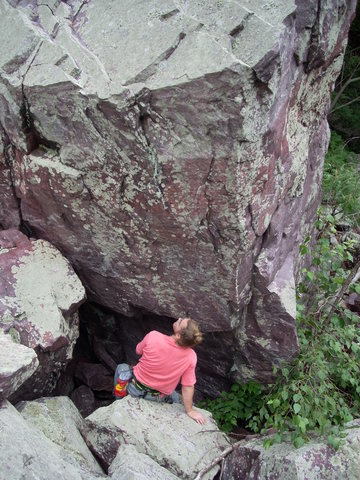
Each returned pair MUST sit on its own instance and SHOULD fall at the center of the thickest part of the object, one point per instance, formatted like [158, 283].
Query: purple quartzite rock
[315, 460]
[95, 376]
[39, 297]
[103, 355]
[175, 155]
[84, 400]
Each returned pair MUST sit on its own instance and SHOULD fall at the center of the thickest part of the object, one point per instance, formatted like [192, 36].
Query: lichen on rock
[174, 149]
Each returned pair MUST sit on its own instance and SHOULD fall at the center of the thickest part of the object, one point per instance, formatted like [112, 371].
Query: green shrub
[238, 405]
[341, 182]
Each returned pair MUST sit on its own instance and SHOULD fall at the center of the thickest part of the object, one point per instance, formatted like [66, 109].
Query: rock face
[129, 464]
[39, 297]
[17, 364]
[60, 422]
[163, 432]
[315, 460]
[173, 151]
[27, 453]
[42, 439]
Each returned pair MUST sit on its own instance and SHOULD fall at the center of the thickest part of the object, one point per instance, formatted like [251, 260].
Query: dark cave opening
[107, 338]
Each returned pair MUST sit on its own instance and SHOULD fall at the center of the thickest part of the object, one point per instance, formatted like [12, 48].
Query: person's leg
[122, 367]
[122, 376]
[134, 392]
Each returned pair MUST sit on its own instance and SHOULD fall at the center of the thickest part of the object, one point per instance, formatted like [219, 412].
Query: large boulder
[27, 453]
[163, 432]
[60, 422]
[173, 151]
[283, 461]
[17, 364]
[39, 297]
[129, 464]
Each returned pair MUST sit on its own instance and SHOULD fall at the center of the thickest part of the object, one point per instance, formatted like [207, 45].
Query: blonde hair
[190, 335]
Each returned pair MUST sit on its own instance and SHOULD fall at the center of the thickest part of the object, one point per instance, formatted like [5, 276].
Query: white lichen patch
[45, 289]
[284, 286]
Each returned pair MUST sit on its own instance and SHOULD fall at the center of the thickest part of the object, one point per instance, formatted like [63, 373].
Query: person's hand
[196, 416]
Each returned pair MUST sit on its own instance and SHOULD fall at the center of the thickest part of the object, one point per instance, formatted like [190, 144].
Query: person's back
[163, 362]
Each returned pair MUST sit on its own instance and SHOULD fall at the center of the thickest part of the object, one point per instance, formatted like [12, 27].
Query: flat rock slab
[129, 464]
[60, 422]
[26, 453]
[17, 364]
[163, 432]
[313, 461]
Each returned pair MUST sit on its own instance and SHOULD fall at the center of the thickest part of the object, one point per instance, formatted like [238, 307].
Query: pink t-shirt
[163, 362]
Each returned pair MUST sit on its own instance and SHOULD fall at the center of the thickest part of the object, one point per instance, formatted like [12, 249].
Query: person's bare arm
[188, 395]
[140, 346]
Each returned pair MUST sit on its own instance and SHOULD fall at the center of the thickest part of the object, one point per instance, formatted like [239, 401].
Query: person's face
[180, 324]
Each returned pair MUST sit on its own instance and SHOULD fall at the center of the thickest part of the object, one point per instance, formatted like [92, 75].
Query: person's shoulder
[192, 355]
[157, 335]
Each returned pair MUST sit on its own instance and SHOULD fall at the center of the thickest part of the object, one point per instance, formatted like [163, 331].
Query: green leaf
[299, 442]
[276, 403]
[310, 275]
[297, 407]
[304, 249]
[268, 443]
[284, 395]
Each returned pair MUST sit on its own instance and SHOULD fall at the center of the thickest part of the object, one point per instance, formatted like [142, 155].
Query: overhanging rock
[173, 151]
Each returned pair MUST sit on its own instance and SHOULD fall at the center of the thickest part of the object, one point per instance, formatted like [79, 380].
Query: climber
[165, 360]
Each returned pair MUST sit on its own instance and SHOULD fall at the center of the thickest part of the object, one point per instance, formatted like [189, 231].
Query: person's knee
[121, 369]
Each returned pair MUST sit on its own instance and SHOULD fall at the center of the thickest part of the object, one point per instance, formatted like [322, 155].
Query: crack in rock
[48, 6]
[234, 33]
[311, 61]
[151, 69]
[170, 14]
[79, 10]
[144, 117]
[211, 228]
[8, 152]
[34, 139]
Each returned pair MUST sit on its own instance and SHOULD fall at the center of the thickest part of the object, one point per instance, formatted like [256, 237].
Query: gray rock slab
[163, 432]
[60, 421]
[129, 464]
[17, 364]
[27, 453]
[313, 461]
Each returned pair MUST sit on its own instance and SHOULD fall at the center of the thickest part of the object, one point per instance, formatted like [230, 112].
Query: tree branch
[342, 292]
[216, 460]
[346, 84]
[345, 104]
